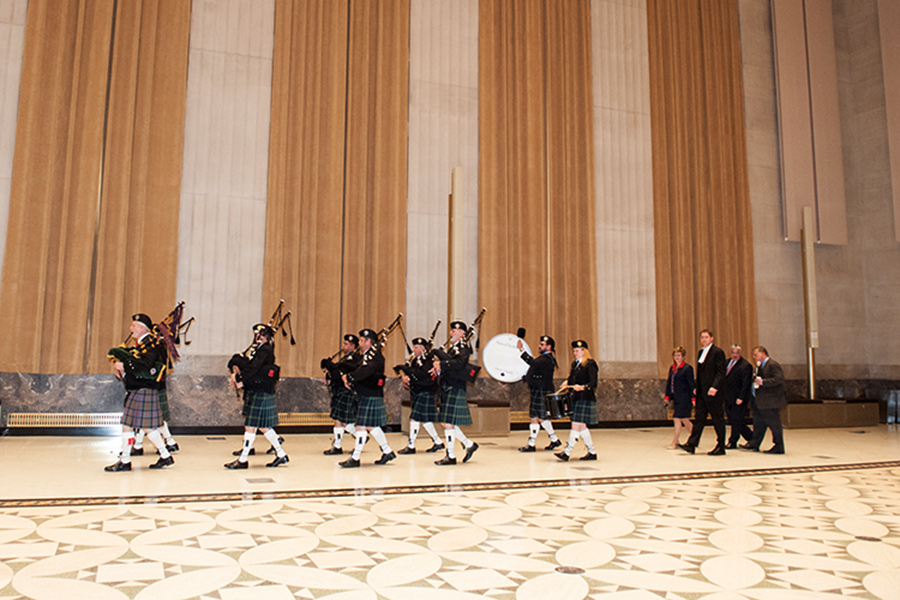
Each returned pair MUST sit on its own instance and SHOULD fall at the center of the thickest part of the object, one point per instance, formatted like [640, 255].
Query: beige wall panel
[443, 134]
[889, 29]
[12, 41]
[624, 184]
[223, 206]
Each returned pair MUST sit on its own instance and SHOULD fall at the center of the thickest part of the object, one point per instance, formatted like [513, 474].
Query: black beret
[264, 330]
[144, 319]
[580, 344]
[369, 333]
[459, 325]
[352, 339]
[419, 341]
[549, 340]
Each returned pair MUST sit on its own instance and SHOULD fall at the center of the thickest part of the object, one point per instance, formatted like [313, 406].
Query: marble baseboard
[205, 400]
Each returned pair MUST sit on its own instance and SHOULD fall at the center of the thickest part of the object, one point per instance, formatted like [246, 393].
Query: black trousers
[767, 418]
[736, 413]
[713, 407]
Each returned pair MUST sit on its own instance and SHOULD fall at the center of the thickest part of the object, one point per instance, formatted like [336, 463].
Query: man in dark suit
[736, 394]
[710, 373]
[770, 399]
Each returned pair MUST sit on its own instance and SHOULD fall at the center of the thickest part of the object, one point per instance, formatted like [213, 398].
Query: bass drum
[502, 358]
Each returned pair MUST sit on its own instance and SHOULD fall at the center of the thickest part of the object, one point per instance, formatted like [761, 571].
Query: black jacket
[145, 365]
[259, 373]
[680, 384]
[540, 371]
[454, 365]
[584, 374]
[737, 382]
[346, 364]
[420, 380]
[368, 378]
[711, 371]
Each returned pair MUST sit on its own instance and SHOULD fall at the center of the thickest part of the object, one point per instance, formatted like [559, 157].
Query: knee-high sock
[156, 437]
[350, 428]
[533, 429]
[429, 427]
[361, 436]
[413, 432]
[586, 436]
[573, 438]
[249, 437]
[378, 434]
[272, 436]
[138, 438]
[167, 435]
[338, 436]
[127, 443]
[449, 434]
[548, 427]
[466, 442]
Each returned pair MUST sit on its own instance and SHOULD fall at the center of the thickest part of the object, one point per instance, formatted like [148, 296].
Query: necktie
[728, 370]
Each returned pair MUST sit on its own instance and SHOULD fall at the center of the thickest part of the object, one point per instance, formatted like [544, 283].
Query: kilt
[260, 410]
[538, 408]
[164, 404]
[584, 411]
[142, 409]
[343, 406]
[454, 407]
[424, 408]
[371, 412]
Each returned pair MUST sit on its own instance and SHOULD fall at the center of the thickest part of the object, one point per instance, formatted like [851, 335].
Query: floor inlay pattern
[821, 533]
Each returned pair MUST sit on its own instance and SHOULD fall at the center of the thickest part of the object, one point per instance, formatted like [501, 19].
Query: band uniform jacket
[454, 364]
[711, 371]
[257, 372]
[584, 373]
[368, 378]
[420, 380]
[737, 382]
[540, 371]
[145, 364]
[770, 395]
[345, 365]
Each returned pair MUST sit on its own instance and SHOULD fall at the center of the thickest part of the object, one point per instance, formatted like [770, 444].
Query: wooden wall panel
[889, 28]
[12, 41]
[223, 197]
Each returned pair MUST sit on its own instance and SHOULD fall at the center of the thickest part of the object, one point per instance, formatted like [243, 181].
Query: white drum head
[502, 359]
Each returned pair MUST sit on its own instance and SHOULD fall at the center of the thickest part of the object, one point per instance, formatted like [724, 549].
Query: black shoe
[238, 452]
[717, 451]
[527, 448]
[279, 460]
[272, 449]
[774, 450]
[407, 450]
[435, 448]
[173, 448]
[589, 456]
[687, 448]
[119, 466]
[236, 464]
[731, 446]
[333, 451]
[386, 458]
[553, 445]
[137, 451]
[747, 446]
[349, 463]
[163, 462]
[562, 456]
[446, 461]
[470, 451]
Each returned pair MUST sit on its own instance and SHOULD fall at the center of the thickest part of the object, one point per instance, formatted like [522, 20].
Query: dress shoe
[470, 451]
[527, 449]
[163, 462]
[236, 464]
[717, 451]
[279, 460]
[407, 450]
[748, 446]
[446, 461]
[553, 445]
[350, 463]
[386, 458]
[774, 450]
[137, 451]
[562, 456]
[238, 452]
[731, 446]
[589, 456]
[687, 448]
[119, 466]
[173, 447]
[272, 449]
[435, 448]
[333, 451]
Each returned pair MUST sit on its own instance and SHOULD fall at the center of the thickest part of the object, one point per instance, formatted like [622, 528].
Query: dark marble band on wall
[206, 401]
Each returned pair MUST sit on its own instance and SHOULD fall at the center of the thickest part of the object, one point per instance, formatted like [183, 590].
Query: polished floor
[822, 521]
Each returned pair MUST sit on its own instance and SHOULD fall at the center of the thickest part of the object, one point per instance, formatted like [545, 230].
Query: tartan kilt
[343, 406]
[163, 404]
[142, 409]
[538, 407]
[424, 408]
[260, 407]
[454, 407]
[371, 412]
[584, 411]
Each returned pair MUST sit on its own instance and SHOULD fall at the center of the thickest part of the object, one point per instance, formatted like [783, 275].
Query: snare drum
[558, 405]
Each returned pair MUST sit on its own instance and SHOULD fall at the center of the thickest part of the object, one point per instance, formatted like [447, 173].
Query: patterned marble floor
[815, 531]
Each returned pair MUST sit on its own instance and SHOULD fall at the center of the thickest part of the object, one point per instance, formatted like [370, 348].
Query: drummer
[540, 382]
[582, 381]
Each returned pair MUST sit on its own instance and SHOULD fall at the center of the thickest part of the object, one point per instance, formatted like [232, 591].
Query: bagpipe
[279, 321]
[472, 370]
[169, 332]
[405, 367]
